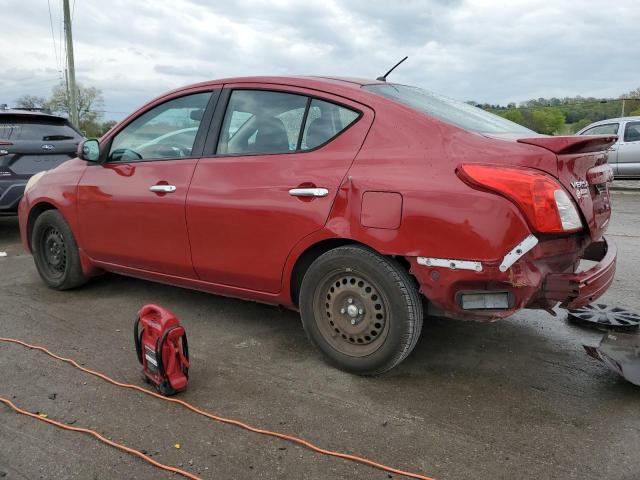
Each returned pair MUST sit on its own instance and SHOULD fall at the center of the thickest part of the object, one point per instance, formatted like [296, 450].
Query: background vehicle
[624, 155]
[30, 142]
[350, 200]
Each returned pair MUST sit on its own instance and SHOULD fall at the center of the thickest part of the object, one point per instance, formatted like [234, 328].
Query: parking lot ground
[513, 399]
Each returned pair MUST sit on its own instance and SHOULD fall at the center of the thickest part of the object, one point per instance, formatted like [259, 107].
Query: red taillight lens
[532, 191]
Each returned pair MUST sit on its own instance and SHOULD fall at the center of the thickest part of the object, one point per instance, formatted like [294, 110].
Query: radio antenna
[383, 78]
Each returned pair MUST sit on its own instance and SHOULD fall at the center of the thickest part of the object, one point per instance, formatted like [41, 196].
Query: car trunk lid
[584, 172]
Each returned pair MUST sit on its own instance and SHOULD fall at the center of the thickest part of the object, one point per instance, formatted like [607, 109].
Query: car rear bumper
[11, 192]
[574, 290]
[543, 278]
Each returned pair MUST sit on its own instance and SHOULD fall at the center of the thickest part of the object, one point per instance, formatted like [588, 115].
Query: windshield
[447, 109]
[35, 129]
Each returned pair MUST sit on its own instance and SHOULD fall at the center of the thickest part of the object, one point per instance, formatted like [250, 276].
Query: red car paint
[231, 228]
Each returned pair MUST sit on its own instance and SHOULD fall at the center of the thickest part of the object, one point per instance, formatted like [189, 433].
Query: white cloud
[485, 50]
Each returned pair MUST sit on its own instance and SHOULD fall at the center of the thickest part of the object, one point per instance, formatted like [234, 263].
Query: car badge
[48, 146]
[581, 187]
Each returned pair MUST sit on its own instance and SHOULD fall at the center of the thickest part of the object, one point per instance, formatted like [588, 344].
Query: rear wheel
[361, 309]
[55, 252]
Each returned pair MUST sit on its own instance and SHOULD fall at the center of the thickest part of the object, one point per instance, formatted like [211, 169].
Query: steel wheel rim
[54, 252]
[351, 313]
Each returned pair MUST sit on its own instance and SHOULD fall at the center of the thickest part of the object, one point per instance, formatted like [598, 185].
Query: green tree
[106, 126]
[31, 101]
[514, 115]
[548, 120]
[90, 103]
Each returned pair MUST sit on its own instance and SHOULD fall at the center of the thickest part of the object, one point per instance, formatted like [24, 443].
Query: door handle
[163, 188]
[309, 192]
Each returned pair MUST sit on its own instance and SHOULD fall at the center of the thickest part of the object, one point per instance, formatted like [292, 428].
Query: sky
[493, 51]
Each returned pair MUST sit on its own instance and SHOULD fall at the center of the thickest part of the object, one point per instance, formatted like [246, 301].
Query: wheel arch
[308, 256]
[35, 211]
[312, 252]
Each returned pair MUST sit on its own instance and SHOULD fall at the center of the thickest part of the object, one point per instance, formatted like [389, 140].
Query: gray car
[30, 142]
[624, 155]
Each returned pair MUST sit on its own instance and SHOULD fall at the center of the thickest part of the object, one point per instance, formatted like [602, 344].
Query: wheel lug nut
[361, 311]
[353, 321]
[342, 311]
[349, 300]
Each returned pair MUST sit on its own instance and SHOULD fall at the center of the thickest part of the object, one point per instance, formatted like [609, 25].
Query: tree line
[90, 104]
[551, 116]
[562, 116]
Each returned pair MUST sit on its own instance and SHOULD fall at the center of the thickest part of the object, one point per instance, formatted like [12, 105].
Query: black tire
[376, 293]
[55, 252]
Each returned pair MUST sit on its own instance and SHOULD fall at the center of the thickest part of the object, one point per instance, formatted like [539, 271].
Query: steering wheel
[124, 154]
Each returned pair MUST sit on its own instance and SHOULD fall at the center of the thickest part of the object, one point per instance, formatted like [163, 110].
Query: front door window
[167, 131]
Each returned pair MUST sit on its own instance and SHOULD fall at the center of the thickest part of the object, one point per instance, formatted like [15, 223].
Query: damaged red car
[363, 204]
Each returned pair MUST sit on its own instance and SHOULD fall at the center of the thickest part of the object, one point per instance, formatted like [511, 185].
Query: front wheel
[360, 309]
[55, 252]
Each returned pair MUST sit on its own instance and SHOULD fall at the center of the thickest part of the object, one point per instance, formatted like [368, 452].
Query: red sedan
[360, 203]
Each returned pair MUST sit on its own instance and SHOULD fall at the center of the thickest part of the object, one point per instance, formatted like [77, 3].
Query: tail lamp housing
[541, 198]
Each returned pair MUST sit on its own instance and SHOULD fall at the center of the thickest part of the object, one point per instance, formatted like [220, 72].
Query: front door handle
[309, 192]
[163, 188]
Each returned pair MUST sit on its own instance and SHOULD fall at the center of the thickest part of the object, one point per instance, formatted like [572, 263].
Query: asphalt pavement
[516, 398]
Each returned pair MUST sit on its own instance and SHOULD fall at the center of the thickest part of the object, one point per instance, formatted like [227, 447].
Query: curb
[624, 189]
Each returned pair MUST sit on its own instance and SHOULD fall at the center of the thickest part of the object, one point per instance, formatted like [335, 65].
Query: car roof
[29, 113]
[617, 119]
[334, 84]
[297, 80]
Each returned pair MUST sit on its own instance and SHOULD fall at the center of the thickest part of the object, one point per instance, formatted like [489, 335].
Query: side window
[167, 131]
[632, 132]
[608, 129]
[325, 120]
[260, 121]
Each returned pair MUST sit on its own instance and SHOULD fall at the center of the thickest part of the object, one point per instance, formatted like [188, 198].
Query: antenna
[383, 78]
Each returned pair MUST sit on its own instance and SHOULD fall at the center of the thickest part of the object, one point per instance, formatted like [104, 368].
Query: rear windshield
[447, 109]
[36, 129]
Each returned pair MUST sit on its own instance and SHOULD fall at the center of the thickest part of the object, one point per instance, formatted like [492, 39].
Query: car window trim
[624, 134]
[602, 125]
[211, 145]
[198, 143]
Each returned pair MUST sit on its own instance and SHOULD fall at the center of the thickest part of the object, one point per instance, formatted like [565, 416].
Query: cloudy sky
[493, 51]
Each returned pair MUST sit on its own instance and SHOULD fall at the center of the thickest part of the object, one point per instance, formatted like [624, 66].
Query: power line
[61, 44]
[53, 37]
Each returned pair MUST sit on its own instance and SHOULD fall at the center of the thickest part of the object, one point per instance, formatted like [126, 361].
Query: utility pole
[622, 114]
[71, 71]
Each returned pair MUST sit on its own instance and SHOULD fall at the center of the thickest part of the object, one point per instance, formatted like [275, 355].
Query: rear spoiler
[573, 143]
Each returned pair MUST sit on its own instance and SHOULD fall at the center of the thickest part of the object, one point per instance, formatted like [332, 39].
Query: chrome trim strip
[517, 252]
[449, 263]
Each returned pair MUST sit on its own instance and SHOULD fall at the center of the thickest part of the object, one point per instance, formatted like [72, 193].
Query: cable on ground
[217, 418]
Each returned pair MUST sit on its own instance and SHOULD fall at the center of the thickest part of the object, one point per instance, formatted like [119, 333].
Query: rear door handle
[163, 188]
[309, 192]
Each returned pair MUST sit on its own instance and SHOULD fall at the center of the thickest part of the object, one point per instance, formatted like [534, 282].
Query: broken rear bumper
[541, 279]
[574, 290]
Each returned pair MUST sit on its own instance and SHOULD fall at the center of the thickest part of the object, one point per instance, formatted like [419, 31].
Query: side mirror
[89, 150]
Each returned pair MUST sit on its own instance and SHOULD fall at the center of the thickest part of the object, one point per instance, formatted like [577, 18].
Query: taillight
[541, 198]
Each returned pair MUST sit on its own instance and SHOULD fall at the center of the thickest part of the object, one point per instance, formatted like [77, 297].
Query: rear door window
[325, 121]
[268, 122]
[261, 122]
[607, 129]
[16, 128]
[632, 132]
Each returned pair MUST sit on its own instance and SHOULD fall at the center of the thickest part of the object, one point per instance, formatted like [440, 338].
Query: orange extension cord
[237, 423]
